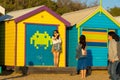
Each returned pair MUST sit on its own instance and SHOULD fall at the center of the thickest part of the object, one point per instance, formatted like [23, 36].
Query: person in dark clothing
[81, 54]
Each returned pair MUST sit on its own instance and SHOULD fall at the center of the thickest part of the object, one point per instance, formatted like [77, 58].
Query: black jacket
[79, 52]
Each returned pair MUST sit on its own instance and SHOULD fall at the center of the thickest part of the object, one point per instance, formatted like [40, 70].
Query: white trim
[2, 10]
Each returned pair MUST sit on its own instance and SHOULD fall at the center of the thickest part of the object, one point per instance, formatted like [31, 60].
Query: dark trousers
[112, 70]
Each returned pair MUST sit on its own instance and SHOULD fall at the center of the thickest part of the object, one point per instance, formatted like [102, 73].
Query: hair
[82, 41]
[113, 35]
[56, 32]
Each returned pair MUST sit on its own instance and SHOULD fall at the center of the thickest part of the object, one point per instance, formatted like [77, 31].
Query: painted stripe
[98, 33]
[95, 40]
[94, 30]
[96, 44]
[112, 30]
[98, 37]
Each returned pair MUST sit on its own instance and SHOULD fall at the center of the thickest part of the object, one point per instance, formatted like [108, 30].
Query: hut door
[38, 45]
[97, 49]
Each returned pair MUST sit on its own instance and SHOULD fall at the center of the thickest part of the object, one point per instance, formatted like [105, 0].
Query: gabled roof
[102, 10]
[81, 16]
[14, 14]
[77, 16]
[20, 15]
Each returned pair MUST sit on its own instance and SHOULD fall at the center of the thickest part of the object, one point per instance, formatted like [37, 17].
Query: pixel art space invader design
[40, 39]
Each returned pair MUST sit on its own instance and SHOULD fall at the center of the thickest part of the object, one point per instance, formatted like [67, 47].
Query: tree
[11, 5]
[63, 10]
[114, 11]
[63, 2]
[65, 6]
[95, 3]
[59, 6]
[77, 6]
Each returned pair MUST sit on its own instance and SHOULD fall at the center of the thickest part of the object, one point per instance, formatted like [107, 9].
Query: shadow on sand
[12, 77]
[10, 72]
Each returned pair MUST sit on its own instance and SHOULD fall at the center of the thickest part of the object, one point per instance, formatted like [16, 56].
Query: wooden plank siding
[10, 32]
[97, 41]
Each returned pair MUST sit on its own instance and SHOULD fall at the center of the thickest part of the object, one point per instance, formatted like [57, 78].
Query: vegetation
[114, 11]
[59, 6]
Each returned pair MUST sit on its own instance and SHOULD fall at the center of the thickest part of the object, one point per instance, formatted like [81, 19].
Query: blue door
[97, 46]
[38, 44]
[72, 42]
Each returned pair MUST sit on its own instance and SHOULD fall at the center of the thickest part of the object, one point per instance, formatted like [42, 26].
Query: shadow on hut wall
[89, 58]
[2, 43]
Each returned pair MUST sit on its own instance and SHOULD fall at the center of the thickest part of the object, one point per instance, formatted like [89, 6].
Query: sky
[106, 4]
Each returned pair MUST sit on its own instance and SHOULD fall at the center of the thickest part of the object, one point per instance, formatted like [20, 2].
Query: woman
[81, 56]
[112, 55]
[56, 48]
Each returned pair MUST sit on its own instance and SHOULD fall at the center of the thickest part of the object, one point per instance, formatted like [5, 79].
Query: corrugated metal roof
[77, 16]
[14, 14]
[18, 13]
[5, 17]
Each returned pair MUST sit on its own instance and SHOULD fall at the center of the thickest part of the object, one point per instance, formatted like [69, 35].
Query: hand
[54, 38]
[112, 60]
